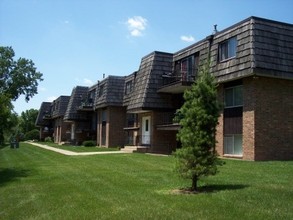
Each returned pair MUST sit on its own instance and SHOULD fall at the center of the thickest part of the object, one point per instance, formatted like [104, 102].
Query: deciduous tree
[17, 77]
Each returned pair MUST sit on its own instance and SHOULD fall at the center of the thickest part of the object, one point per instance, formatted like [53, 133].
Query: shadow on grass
[210, 188]
[11, 174]
[3, 146]
[221, 187]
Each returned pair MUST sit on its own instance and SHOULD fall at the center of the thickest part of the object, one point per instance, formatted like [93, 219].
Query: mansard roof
[79, 93]
[148, 80]
[273, 48]
[110, 92]
[59, 106]
[45, 110]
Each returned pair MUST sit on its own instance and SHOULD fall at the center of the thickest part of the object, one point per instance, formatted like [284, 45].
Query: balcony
[176, 82]
[167, 122]
[47, 116]
[86, 106]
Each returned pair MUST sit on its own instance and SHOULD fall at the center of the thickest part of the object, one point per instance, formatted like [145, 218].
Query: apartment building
[252, 61]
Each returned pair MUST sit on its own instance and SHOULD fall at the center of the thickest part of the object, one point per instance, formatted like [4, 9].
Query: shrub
[48, 139]
[89, 144]
[32, 135]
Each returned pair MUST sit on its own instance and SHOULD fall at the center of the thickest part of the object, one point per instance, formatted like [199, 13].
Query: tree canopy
[17, 77]
[198, 118]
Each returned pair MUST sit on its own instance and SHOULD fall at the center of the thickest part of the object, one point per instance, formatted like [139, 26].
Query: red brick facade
[114, 124]
[267, 119]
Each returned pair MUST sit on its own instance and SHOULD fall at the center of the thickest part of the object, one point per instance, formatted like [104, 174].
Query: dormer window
[227, 49]
[101, 90]
[128, 87]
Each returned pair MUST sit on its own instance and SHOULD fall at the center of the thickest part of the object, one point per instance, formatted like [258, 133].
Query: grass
[40, 184]
[79, 148]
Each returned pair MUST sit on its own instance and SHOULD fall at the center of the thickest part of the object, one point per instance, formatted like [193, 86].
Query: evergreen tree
[198, 118]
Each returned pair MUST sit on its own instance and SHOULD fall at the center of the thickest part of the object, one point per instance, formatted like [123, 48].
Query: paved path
[71, 153]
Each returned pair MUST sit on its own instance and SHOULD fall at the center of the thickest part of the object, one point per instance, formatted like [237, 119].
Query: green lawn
[79, 148]
[40, 184]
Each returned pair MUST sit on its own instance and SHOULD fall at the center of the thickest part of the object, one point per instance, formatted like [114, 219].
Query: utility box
[14, 144]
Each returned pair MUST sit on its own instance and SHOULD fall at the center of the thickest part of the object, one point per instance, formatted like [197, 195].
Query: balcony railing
[86, 106]
[47, 116]
[179, 76]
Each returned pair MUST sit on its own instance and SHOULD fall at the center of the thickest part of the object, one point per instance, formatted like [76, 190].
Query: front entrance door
[146, 130]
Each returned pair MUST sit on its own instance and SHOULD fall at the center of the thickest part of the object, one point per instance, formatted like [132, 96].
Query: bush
[48, 139]
[32, 135]
[89, 144]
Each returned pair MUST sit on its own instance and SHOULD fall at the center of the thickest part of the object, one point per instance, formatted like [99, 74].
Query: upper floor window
[91, 97]
[104, 115]
[128, 87]
[233, 96]
[186, 68]
[56, 105]
[101, 90]
[227, 49]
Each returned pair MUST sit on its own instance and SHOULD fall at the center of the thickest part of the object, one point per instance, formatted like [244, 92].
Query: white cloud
[187, 38]
[136, 25]
[88, 82]
[136, 33]
[51, 98]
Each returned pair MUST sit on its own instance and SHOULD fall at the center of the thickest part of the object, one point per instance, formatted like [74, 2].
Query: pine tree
[198, 118]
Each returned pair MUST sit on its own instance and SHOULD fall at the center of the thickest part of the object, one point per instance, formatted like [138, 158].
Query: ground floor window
[233, 144]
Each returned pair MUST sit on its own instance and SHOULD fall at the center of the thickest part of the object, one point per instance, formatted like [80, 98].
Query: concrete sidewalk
[71, 153]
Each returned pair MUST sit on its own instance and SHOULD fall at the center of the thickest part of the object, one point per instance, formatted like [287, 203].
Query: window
[233, 144]
[146, 125]
[233, 96]
[227, 49]
[131, 120]
[104, 116]
[129, 87]
[101, 91]
[186, 68]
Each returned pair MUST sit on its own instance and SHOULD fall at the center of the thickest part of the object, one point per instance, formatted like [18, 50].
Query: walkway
[71, 153]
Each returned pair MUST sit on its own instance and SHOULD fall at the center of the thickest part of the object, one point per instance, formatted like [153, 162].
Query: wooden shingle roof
[44, 111]
[148, 80]
[59, 106]
[79, 93]
[273, 48]
[110, 92]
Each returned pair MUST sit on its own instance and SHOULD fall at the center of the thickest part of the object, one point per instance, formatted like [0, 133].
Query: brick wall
[249, 104]
[267, 119]
[116, 135]
[273, 119]
[220, 126]
[164, 141]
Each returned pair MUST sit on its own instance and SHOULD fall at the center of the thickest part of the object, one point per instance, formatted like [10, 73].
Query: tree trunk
[194, 183]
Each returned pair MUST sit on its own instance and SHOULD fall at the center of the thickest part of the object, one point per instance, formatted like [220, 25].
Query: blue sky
[73, 42]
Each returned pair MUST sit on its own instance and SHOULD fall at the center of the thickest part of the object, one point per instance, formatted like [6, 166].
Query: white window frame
[230, 49]
[232, 137]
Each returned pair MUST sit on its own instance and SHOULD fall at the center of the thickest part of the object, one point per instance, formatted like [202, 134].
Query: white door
[146, 130]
